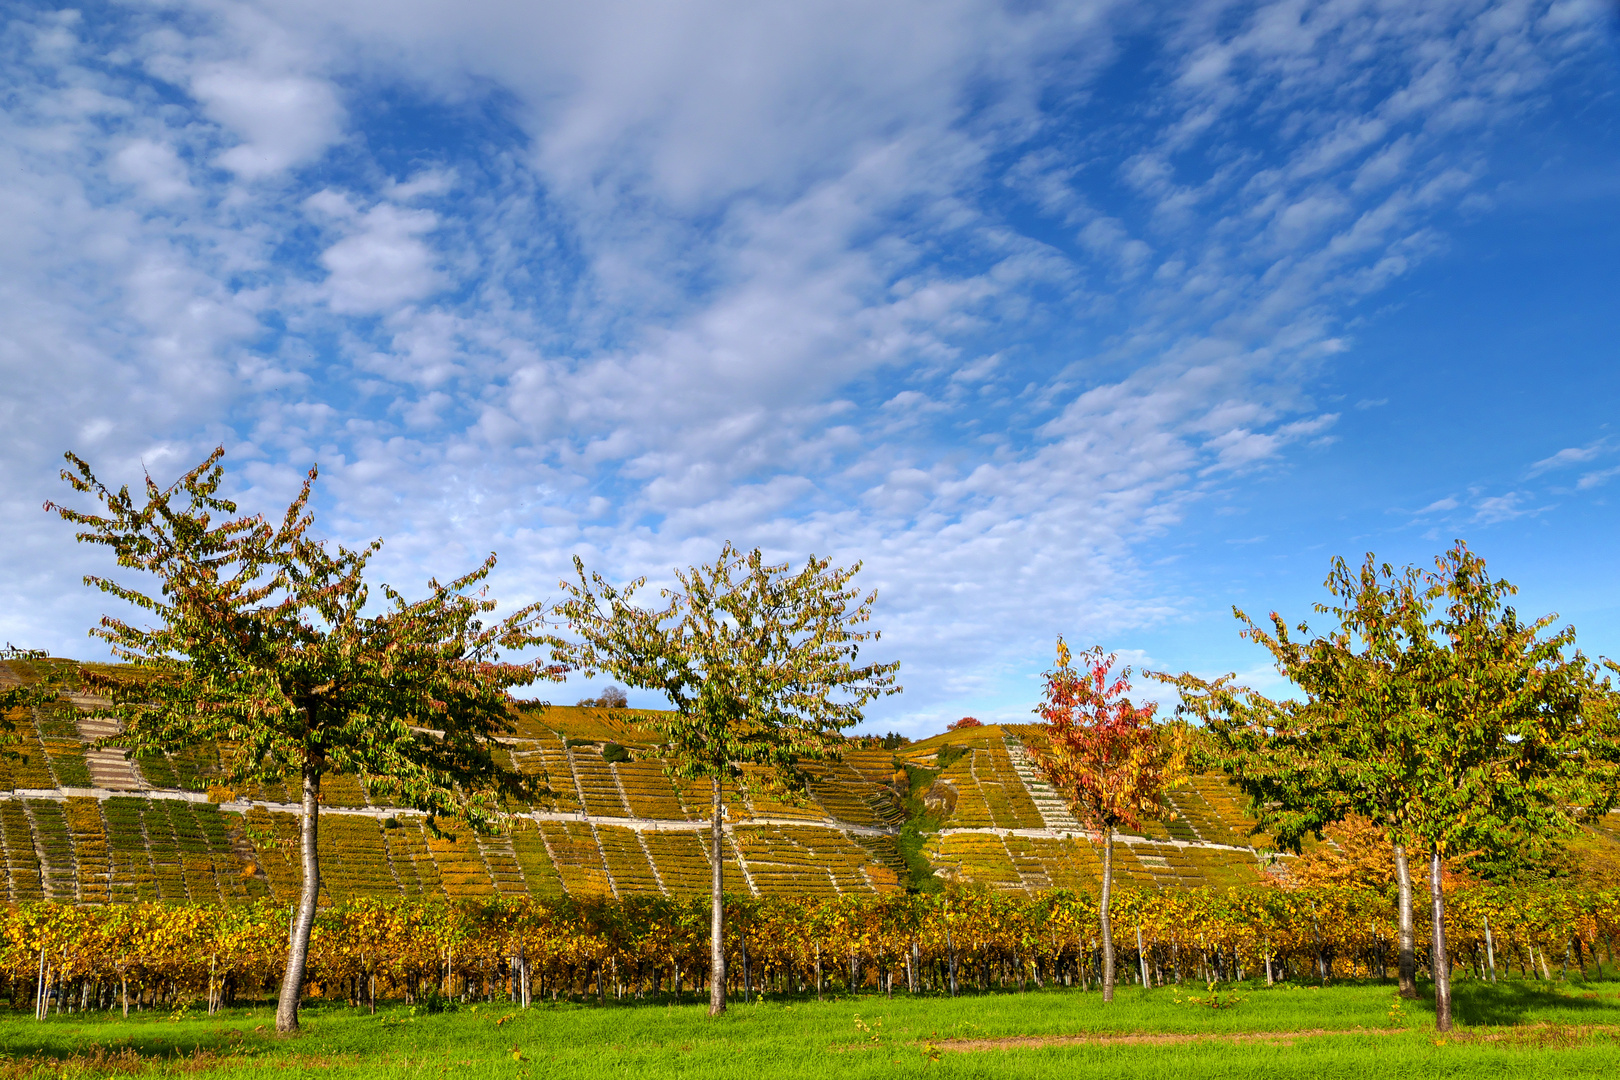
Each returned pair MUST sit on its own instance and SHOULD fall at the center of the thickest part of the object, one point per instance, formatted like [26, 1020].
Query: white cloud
[1498, 508]
[281, 120]
[670, 309]
[1597, 478]
[154, 167]
[1570, 455]
[1107, 237]
[383, 263]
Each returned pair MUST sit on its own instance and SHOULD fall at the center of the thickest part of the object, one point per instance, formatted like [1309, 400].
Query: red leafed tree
[965, 722]
[1108, 759]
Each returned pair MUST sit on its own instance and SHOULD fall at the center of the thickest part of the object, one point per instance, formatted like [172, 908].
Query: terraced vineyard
[1009, 830]
[90, 826]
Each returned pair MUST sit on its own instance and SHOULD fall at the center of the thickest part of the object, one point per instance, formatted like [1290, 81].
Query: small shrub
[613, 752]
[434, 1002]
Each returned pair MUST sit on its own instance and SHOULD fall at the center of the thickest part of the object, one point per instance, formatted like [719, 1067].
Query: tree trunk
[1440, 963]
[1408, 971]
[39, 992]
[1141, 956]
[1102, 914]
[292, 983]
[1490, 948]
[717, 943]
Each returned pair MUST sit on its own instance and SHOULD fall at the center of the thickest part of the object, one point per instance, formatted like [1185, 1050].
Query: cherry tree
[1107, 758]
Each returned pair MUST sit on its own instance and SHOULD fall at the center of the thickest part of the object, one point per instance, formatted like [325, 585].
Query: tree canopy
[760, 663]
[1431, 710]
[263, 641]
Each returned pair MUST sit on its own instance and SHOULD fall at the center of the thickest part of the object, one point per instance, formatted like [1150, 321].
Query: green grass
[914, 831]
[1516, 1029]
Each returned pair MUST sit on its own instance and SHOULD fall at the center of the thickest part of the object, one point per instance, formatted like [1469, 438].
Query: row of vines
[71, 958]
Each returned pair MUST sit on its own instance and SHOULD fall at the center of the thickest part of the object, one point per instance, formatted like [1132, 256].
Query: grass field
[1515, 1029]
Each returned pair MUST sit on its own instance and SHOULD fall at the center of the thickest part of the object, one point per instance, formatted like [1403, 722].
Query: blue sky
[1091, 318]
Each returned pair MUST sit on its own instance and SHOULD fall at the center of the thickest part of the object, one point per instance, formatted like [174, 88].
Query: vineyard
[975, 939]
[84, 825]
[1009, 831]
[147, 879]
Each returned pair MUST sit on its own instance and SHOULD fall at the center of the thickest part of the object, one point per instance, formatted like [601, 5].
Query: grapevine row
[146, 955]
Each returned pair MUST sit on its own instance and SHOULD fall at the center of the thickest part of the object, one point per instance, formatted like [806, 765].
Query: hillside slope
[1009, 829]
[90, 826]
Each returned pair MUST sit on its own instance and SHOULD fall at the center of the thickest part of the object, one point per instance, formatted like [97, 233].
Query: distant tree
[612, 697]
[19, 692]
[11, 652]
[965, 722]
[1107, 758]
[262, 645]
[15, 701]
[25, 695]
[891, 741]
[1432, 712]
[758, 662]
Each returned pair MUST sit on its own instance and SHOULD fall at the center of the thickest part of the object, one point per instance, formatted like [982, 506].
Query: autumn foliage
[1104, 755]
[1107, 759]
[653, 947]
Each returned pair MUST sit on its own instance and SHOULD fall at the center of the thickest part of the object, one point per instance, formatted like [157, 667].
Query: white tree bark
[717, 942]
[292, 982]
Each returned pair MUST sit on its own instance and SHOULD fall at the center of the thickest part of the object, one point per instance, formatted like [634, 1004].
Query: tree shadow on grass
[1504, 1004]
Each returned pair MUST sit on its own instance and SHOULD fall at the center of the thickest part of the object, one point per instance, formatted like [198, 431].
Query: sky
[1092, 319]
